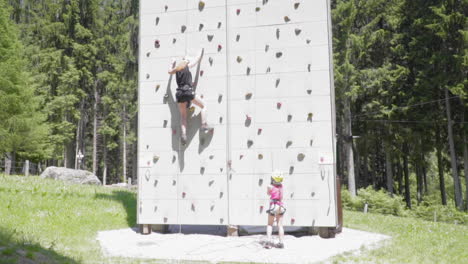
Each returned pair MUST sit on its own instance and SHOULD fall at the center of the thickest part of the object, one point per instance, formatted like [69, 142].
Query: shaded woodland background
[68, 83]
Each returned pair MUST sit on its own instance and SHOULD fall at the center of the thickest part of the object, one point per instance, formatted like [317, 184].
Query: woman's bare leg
[183, 120]
[271, 219]
[198, 102]
[279, 220]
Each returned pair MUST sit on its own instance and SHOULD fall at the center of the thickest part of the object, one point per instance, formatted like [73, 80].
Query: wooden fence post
[26, 168]
[7, 166]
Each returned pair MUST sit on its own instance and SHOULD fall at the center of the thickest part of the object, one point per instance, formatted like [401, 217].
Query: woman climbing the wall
[276, 210]
[185, 94]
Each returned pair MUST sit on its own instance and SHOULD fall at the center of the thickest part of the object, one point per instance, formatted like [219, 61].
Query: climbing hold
[201, 72]
[147, 76]
[248, 121]
[193, 207]
[268, 70]
[238, 11]
[311, 142]
[221, 195]
[156, 44]
[249, 143]
[291, 170]
[279, 54]
[210, 37]
[286, 19]
[219, 24]
[277, 82]
[261, 208]
[248, 96]
[248, 70]
[165, 219]
[308, 67]
[288, 144]
[309, 117]
[183, 194]
[183, 28]
[147, 175]
[210, 60]
[211, 157]
[257, 9]
[260, 182]
[312, 194]
[221, 220]
[300, 156]
[211, 208]
[157, 87]
[155, 159]
[241, 156]
[174, 40]
[165, 8]
[260, 156]
[201, 5]
[220, 169]
[259, 131]
[248, 117]
[265, 2]
[202, 170]
[309, 91]
[192, 109]
[239, 59]
[293, 220]
[297, 31]
[155, 183]
[289, 118]
[200, 27]
[267, 47]
[148, 54]
[278, 105]
[174, 158]
[308, 41]
[157, 21]
[237, 37]
[277, 33]
[147, 146]
[155, 208]
[296, 5]
[220, 119]
[220, 98]
[174, 182]
[219, 47]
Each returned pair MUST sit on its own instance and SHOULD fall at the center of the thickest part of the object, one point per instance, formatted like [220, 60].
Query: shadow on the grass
[18, 251]
[127, 199]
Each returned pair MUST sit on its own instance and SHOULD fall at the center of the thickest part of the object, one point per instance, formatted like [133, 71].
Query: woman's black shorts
[185, 94]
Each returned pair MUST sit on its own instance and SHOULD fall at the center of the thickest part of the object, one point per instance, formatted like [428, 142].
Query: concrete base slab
[211, 248]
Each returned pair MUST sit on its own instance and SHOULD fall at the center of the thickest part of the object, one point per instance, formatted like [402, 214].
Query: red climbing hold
[278, 105]
[238, 11]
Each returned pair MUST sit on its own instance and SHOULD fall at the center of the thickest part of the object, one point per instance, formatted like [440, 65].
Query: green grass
[46, 221]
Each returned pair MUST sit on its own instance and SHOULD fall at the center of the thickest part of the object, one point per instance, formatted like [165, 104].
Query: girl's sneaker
[279, 245]
[206, 128]
[268, 245]
[183, 139]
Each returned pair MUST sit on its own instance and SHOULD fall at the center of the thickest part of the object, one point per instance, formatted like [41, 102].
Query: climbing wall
[265, 78]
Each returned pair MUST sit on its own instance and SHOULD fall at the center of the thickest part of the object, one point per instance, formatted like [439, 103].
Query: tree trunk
[124, 144]
[424, 174]
[388, 169]
[440, 165]
[407, 182]
[104, 157]
[465, 167]
[400, 177]
[95, 129]
[453, 160]
[349, 149]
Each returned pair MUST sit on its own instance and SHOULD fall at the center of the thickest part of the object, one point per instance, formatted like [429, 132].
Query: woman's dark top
[184, 77]
[185, 91]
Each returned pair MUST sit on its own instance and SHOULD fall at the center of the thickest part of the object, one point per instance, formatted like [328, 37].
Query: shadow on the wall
[221, 230]
[193, 124]
[127, 199]
[14, 251]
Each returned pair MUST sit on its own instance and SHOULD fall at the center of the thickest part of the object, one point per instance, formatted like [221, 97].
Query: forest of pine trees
[68, 83]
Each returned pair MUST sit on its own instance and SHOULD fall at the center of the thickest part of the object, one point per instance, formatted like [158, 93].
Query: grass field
[46, 221]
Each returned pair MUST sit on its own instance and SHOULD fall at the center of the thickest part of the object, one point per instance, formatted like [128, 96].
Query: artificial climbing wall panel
[265, 78]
